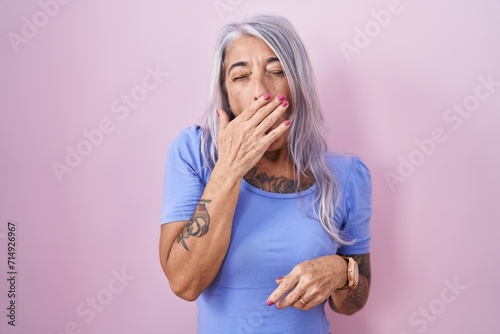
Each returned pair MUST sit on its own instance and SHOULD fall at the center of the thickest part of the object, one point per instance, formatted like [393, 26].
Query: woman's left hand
[310, 283]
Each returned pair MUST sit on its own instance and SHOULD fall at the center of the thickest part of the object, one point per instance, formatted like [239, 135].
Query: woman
[255, 212]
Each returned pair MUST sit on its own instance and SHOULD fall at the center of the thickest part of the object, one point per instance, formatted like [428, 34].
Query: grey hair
[306, 144]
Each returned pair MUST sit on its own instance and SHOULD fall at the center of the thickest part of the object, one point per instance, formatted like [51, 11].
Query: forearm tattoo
[357, 299]
[274, 184]
[197, 226]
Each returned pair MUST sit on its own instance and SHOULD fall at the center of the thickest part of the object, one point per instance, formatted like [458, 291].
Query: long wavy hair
[306, 144]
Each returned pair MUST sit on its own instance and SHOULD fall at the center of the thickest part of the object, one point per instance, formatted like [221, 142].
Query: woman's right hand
[243, 141]
[191, 260]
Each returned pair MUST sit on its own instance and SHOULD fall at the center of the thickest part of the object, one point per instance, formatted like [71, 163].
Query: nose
[260, 86]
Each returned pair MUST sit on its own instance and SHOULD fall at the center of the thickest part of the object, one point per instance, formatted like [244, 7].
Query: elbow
[357, 305]
[350, 310]
[186, 293]
[351, 304]
[178, 285]
[182, 286]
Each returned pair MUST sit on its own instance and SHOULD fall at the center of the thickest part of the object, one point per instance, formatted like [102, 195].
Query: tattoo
[197, 226]
[363, 261]
[275, 184]
[358, 297]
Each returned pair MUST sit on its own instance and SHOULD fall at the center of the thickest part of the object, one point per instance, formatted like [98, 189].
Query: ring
[303, 302]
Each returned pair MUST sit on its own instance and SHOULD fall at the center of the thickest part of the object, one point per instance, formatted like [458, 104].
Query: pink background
[75, 234]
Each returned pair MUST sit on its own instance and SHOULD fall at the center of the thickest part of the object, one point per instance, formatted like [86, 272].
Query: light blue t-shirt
[271, 234]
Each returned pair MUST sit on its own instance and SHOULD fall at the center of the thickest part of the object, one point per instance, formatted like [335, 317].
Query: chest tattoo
[274, 184]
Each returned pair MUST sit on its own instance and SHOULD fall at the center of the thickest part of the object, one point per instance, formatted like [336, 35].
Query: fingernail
[278, 307]
[217, 111]
[266, 96]
[284, 103]
[287, 123]
[269, 302]
[281, 97]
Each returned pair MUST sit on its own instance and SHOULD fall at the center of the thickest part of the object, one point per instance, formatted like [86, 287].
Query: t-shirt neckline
[261, 192]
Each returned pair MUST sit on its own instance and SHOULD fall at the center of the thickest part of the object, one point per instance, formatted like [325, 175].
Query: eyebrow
[244, 63]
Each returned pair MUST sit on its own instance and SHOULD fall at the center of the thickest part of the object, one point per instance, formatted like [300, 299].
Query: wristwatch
[352, 274]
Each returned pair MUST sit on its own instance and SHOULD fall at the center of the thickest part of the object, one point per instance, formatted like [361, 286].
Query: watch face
[356, 274]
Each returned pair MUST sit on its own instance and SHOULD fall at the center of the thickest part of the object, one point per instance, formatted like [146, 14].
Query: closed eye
[280, 73]
[240, 77]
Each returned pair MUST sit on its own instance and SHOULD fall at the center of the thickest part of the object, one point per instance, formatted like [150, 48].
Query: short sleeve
[183, 180]
[358, 209]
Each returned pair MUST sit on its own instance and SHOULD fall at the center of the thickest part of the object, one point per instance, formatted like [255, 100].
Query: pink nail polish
[269, 302]
[287, 123]
[266, 96]
[217, 111]
[281, 97]
[284, 104]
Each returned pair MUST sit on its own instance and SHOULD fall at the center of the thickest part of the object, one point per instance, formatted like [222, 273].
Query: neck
[276, 157]
[276, 163]
[275, 172]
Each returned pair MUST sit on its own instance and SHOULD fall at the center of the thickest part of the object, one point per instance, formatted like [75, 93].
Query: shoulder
[185, 153]
[187, 142]
[190, 136]
[349, 170]
[186, 147]
[355, 205]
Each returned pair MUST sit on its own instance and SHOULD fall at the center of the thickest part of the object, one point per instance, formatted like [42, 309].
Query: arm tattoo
[358, 297]
[363, 261]
[197, 226]
[274, 184]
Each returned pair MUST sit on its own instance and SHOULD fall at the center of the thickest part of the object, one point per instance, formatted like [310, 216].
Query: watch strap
[350, 284]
